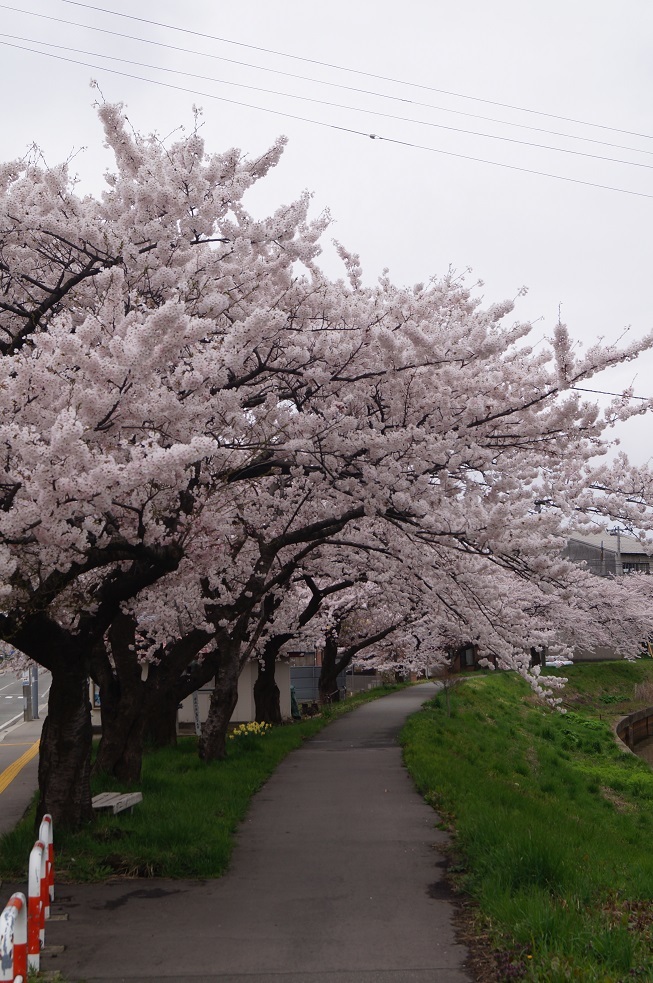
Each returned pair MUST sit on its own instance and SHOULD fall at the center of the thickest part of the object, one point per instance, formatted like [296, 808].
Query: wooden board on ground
[116, 801]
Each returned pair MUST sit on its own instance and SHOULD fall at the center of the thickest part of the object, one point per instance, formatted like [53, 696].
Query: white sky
[414, 211]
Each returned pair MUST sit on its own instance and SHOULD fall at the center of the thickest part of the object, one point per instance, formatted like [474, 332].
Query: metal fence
[305, 681]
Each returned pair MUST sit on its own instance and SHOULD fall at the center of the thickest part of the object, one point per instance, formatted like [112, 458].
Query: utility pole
[618, 564]
[31, 693]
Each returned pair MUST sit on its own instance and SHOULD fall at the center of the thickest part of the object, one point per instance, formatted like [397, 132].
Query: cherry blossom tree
[125, 326]
[194, 416]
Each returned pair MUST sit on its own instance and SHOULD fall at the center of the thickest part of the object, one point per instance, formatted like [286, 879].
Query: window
[635, 566]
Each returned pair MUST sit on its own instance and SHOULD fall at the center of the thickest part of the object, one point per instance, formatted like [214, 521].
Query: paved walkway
[336, 876]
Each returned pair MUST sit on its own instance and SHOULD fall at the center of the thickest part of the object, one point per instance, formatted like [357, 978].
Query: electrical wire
[333, 126]
[333, 105]
[337, 85]
[343, 68]
[601, 392]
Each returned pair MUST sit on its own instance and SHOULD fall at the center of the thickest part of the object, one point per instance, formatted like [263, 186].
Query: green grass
[552, 822]
[185, 825]
[33, 976]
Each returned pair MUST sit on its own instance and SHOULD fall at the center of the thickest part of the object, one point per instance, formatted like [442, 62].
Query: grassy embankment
[185, 825]
[552, 823]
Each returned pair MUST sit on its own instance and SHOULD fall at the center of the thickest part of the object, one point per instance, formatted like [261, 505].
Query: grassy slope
[552, 821]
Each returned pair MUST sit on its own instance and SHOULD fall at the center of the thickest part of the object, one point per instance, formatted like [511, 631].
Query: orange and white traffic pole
[46, 837]
[37, 887]
[13, 940]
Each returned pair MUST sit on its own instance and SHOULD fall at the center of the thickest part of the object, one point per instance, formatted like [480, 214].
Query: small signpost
[196, 714]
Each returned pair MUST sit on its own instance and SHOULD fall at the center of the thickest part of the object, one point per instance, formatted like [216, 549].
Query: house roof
[609, 542]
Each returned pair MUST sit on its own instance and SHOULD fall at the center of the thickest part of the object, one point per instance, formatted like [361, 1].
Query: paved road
[336, 878]
[18, 749]
[11, 697]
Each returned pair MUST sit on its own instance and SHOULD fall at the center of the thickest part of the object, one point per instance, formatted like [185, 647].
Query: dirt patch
[485, 963]
[621, 805]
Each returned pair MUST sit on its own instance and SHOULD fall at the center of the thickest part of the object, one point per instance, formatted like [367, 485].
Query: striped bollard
[46, 836]
[37, 883]
[13, 940]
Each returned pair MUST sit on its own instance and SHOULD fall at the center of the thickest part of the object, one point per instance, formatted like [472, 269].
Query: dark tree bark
[141, 700]
[266, 691]
[267, 698]
[65, 750]
[65, 747]
[106, 680]
[334, 661]
[176, 676]
[328, 682]
[160, 719]
[213, 739]
[121, 747]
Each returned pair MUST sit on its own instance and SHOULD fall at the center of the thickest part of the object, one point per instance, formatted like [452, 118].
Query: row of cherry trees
[211, 449]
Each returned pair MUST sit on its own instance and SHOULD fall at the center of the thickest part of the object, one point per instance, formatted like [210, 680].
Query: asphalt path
[337, 877]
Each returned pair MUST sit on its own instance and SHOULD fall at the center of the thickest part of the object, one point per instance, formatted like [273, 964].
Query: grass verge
[190, 811]
[551, 822]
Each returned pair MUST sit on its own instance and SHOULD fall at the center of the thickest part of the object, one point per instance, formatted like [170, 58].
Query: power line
[334, 105]
[601, 392]
[333, 126]
[512, 167]
[354, 71]
[322, 82]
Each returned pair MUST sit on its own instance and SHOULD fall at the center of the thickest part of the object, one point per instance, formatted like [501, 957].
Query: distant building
[608, 554]
[467, 657]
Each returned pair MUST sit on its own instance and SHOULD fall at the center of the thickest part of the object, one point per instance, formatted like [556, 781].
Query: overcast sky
[417, 74]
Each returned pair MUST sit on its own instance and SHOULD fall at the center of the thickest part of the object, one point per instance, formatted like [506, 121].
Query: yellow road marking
[20, 744]
[7, 776]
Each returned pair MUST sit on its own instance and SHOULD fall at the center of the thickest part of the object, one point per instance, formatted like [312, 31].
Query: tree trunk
[65, 748]
[141, 700]
[328, 690]
[333, 663]
[106, 680]
[328, 681]
[122, 693]
[121, 749]
[171, 681]
[161, 718]
[65, 751]
[213, 740]
[267, 698]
